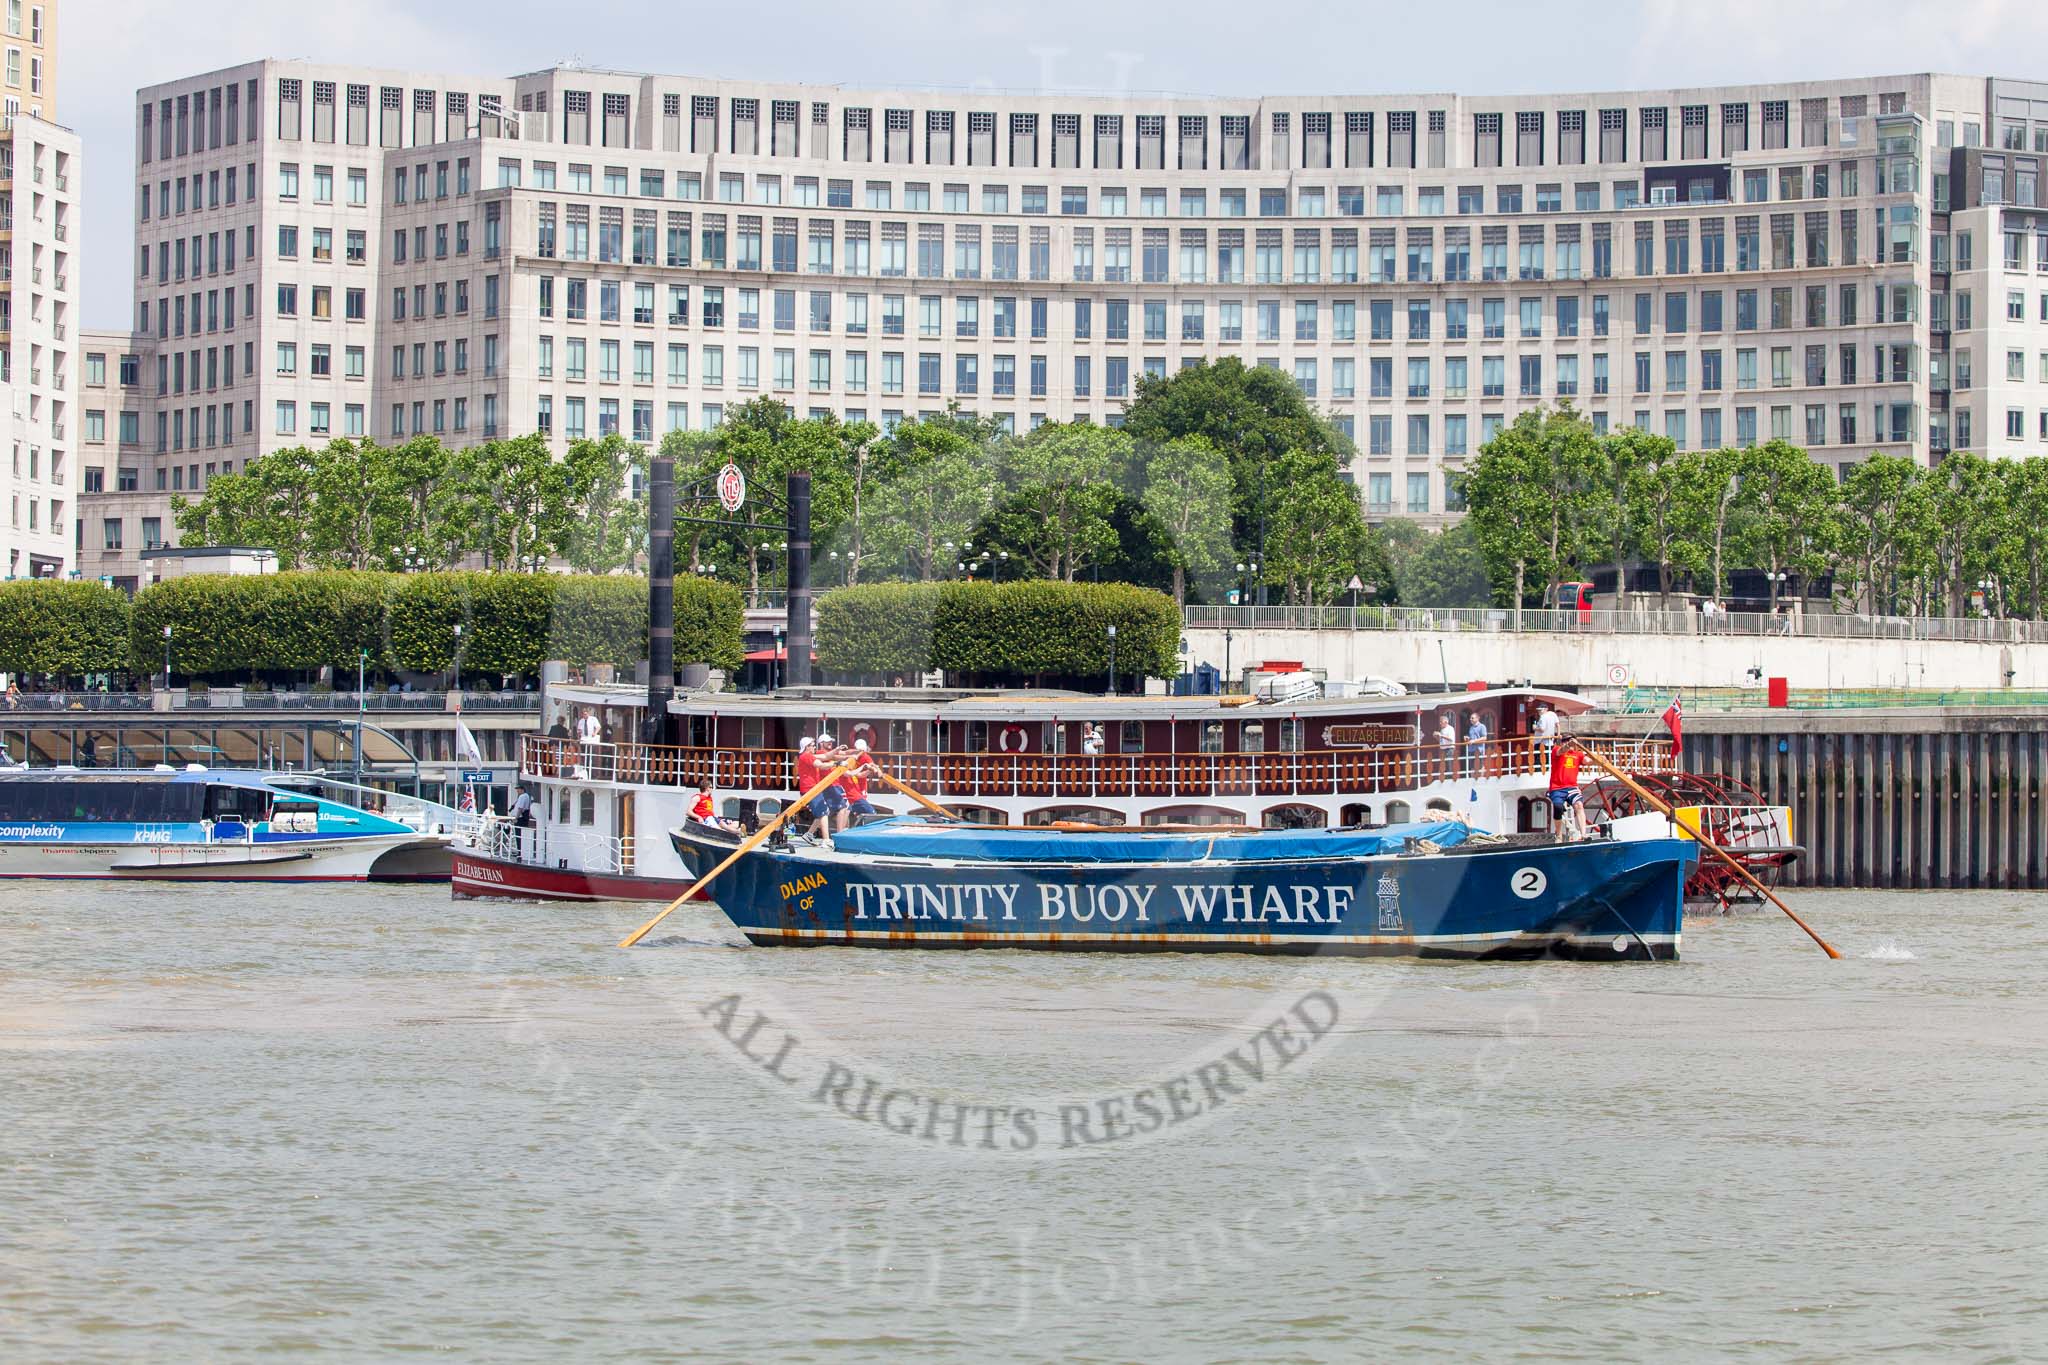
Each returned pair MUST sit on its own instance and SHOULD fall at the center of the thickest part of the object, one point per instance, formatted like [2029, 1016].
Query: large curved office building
[1855, 265]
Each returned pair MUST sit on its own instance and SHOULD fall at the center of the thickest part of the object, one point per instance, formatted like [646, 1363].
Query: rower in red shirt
[1567, 806]
[854, 783]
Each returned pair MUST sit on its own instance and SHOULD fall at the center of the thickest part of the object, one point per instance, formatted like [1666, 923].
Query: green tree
[606, 521]
[766, 443]
[941, 482]
[1187, 492]
[1532, 494]
[518, 500]
[1668, 505]
[1960, 498]
[66, 628]
[1253, 414]
[1876, 530]
[1623, 458]
[2022, 553]
[432, 520]
[869, 463]
[271, 504]
[1788, 505]
[1318, 540]
[1435, 568]
[359, 505]
[1062, 485]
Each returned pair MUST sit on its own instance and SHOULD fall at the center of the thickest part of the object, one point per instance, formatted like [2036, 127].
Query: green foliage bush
[998, 631]
[56, 626]
[234, 625]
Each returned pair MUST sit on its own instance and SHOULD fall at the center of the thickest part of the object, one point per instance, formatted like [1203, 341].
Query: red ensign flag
[1673, 720]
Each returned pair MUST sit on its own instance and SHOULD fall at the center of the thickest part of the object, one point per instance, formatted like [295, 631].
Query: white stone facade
[325, 251]
[39, 347]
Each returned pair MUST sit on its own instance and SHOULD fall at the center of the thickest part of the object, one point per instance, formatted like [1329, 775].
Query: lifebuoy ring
[1013, 739]
[860, 732]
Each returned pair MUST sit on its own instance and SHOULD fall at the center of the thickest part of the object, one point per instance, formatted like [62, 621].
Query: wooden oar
[1700, 835]
[916, 795]
[760, 836]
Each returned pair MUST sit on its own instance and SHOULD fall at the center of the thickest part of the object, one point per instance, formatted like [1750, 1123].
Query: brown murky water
[367, 1122]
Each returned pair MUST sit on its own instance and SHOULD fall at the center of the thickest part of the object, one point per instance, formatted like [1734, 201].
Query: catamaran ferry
[199, 825]
[605, 800]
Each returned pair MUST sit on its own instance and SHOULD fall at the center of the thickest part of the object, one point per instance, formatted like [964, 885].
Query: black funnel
[661, 595]
[798, 671]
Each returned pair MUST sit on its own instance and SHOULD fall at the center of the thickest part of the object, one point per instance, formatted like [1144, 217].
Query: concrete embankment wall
[1425, 658]
[1927, 797]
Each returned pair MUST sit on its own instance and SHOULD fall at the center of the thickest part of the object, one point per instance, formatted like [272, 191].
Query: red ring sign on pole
[732, 487]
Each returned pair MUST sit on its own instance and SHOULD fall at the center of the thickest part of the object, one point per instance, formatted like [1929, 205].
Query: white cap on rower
[825, 741]
[861, 745]
[807, 743]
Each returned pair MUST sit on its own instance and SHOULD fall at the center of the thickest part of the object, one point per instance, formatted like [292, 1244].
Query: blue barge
[1431, 890]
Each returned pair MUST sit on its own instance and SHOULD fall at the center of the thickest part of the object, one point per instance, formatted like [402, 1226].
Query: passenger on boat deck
[522, 808]
[1475, 744]
[1447, 745]
[1544, 728]
[854, 785]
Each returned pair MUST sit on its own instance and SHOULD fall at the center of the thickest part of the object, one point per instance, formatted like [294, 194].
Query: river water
[370, 1122]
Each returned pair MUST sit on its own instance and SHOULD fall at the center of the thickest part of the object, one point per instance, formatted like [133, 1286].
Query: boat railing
[540, 845]
[428, 817]
[1740, 827]
[1164, 777]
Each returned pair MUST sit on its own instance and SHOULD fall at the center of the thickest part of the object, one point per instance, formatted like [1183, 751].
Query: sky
[109, 48]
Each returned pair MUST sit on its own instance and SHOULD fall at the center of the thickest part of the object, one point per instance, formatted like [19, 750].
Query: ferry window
[1131, 737]
[1252, 738]
[753, 732]
[1397, 812]
[567, 807]
[899, 736]
[1290, 736]
[977, 736]
[1059, 739]
[1212, 737]
[586, 809]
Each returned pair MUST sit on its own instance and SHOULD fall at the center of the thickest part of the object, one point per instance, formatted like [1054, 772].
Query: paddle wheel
[1726, 810]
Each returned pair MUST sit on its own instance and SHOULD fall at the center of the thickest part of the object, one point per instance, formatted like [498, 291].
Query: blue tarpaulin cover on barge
[916, 837]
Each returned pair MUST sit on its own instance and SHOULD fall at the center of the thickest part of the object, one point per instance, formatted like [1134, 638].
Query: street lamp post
[167, 658]
[1112, 661]
[1227, 633]
[455, 683]
[362, 660]
[1247, 574]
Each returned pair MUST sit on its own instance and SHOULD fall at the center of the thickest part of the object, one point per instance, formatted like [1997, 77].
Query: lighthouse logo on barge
[1390, 905]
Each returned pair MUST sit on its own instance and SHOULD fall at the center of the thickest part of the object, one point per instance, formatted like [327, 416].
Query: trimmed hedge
[59, 626]
[231, 625]
[1006, 630]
